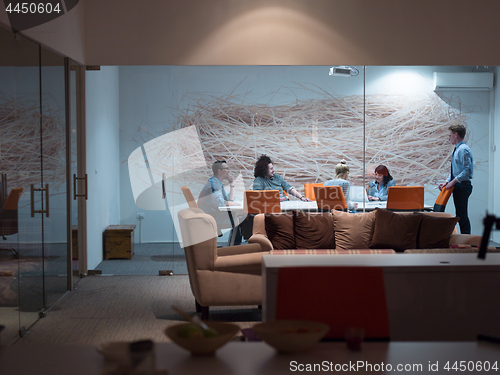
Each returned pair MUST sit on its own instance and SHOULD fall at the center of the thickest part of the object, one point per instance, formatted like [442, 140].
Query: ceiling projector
[345, 71]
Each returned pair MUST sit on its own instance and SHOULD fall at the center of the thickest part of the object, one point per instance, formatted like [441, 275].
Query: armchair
[227, 276]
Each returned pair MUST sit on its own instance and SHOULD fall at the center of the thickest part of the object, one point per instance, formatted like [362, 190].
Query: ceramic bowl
[203, 345]
[291, 336]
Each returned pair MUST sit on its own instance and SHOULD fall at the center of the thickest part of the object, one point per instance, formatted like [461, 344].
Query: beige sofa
[227, 276]
[346, 232]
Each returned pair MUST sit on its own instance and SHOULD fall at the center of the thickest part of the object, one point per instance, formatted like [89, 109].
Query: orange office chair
[309, 190]
[405, 198]
[189, 197]
[261, 201]
[442, 199]
[330, 198]
[8, 217]
[348, 297]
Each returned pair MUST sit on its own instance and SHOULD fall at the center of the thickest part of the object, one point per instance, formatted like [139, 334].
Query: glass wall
[33, 260]
[176, 121]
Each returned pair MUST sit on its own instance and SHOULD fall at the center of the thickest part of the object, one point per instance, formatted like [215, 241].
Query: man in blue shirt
[460, 176]
[213, 195]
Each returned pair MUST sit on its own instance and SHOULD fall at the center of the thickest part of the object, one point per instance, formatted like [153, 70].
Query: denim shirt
[461, 163]
[383, 192]
[274, 183]
[212, 196]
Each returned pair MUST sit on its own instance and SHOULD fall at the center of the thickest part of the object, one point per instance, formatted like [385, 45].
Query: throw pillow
[435, 232]
[395, 231]
[279, 229]
[353, 231]
[314, 230]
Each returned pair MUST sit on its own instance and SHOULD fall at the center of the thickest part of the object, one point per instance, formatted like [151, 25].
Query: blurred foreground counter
[259, 358]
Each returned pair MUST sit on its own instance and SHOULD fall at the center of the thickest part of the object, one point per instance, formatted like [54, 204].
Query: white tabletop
[254, 358]
[452, 261]
[306, 206]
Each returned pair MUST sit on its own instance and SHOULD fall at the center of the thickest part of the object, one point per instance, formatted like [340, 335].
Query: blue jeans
[461, 195]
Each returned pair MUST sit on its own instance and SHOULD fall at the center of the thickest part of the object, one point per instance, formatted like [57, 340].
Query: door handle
[32, 191]
[86, 187]
[163, 191]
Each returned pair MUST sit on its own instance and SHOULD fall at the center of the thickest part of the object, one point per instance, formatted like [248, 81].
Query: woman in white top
[341, 175]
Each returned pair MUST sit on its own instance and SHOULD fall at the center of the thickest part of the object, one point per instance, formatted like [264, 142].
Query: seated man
[266, 179]
[213, 195]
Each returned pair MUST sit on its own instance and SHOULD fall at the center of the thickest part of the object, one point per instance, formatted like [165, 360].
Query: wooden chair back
[309, 190]
[330, 198]
[405, 198]
[189, 197]
[442, 199]
[261, 201]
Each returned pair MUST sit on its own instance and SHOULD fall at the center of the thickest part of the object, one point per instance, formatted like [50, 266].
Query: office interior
[90, 94]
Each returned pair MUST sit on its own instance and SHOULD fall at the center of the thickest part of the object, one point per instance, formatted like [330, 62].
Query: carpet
[125, 308]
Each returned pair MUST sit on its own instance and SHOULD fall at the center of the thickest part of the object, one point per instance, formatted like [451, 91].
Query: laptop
[357, 194]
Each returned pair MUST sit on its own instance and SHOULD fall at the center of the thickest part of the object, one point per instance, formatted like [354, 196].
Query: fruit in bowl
[190, 331]
[290, 336]
[200, 341]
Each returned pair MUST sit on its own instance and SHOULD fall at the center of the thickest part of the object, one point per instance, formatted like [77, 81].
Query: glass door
[53, 194]
[34, 264]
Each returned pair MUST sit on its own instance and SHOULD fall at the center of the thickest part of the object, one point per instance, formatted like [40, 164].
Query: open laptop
[357, 194]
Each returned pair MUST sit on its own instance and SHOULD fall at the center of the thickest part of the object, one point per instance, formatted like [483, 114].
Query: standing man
[460, 176]
[213, 195]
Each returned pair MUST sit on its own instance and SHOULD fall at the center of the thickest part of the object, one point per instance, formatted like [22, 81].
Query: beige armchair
[227, 276]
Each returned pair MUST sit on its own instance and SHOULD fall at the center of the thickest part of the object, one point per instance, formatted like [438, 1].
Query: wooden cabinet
[119, 242]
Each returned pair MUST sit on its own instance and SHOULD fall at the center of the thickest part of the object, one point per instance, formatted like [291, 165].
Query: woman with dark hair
[266, 179]
[379, 188]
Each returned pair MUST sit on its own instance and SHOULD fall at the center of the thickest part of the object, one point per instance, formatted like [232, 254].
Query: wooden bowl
[291, 336]
[203, 345]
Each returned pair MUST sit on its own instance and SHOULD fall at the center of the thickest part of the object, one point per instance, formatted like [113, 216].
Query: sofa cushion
[435, 232]
[313, 230]
[395, 231]
[353, 231]
[279, 229]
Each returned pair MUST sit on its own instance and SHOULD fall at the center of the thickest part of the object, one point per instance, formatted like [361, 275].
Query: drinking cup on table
[354, 337]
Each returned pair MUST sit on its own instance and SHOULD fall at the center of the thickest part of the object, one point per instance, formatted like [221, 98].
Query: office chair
[330, 198]
[405, 198]
[442, 199]
[261, 201]
[309, 190]
[9, 219]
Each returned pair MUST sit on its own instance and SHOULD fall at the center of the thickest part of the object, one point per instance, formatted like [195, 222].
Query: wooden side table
[119, 241]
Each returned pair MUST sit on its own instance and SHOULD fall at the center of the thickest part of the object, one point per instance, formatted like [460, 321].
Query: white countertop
[252, 358]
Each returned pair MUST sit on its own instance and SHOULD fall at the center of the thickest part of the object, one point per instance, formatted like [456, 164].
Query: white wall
[103, 161]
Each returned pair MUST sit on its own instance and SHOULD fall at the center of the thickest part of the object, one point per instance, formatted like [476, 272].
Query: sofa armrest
[262, 240]
[465, 239]
[239, 249]
[243, 263]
